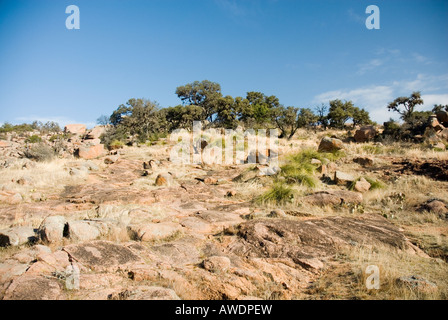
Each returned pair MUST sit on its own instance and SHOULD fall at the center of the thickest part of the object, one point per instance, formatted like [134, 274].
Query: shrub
[116, 144]
[34, 139]
[39, 152]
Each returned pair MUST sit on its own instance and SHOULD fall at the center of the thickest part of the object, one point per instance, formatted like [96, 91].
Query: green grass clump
[374, 184]
[280, 193]
[299, 168]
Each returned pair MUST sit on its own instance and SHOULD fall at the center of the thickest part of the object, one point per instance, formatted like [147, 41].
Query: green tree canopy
[405, 106]
[204, 94]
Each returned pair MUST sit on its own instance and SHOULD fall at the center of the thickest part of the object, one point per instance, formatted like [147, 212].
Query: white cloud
[369, 66]
[432, 99]
[376, 98]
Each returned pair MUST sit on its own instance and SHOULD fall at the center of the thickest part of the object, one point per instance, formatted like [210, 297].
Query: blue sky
[306, 52]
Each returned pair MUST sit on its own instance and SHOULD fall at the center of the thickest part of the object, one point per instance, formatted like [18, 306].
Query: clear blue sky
[303, 51]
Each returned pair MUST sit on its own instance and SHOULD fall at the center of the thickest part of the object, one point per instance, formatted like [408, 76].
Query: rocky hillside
[135, 225]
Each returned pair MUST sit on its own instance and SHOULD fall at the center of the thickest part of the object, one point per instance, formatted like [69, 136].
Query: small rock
[216, 264]
[362, 185]
[150, 165]
[328, 144]
[277, 213]
[364, 161]
[435, 206]
[342, 178]
[231, 193]
[163, 179]
[365, 134]
[111, 159]
[154, 231]
[210, 180]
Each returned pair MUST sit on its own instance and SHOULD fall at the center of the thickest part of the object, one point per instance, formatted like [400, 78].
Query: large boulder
[75, 129]
[328, 144]
[362, 185]
[90, 152]
[443, 134]
[96, 132]
[52, 229]
[82, 231]
[442, 117]
[17, 236]
[342, 178]
[31, 287]
[365, 134]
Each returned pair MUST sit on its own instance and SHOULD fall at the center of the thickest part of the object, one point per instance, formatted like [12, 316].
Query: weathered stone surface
[313, 239]
[196, 225]
[328, 144]
[145, 293]
[75, 129]
[10, 197]
[277, 213]
[154, 231]
[17, 236]
[342, 178]
[365, 134]
[11, 269]
[82, 231]
[362, 185]
[443, 134]
[96, 132]
[52, 228]
[4, 144]
[324, 198]
[30, 287]
[178, 253]
[99, 255]
[150, 165]
[90, 152]
[216, 264]
[111, 159]
[164, 179]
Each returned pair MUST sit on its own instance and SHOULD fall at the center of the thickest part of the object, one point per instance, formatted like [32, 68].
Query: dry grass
[347, 279]
[48, 177]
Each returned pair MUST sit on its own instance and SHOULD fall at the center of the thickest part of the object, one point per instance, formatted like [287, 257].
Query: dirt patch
[435, 169]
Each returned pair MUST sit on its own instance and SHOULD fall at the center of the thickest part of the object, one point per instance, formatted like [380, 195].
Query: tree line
[204, 101]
